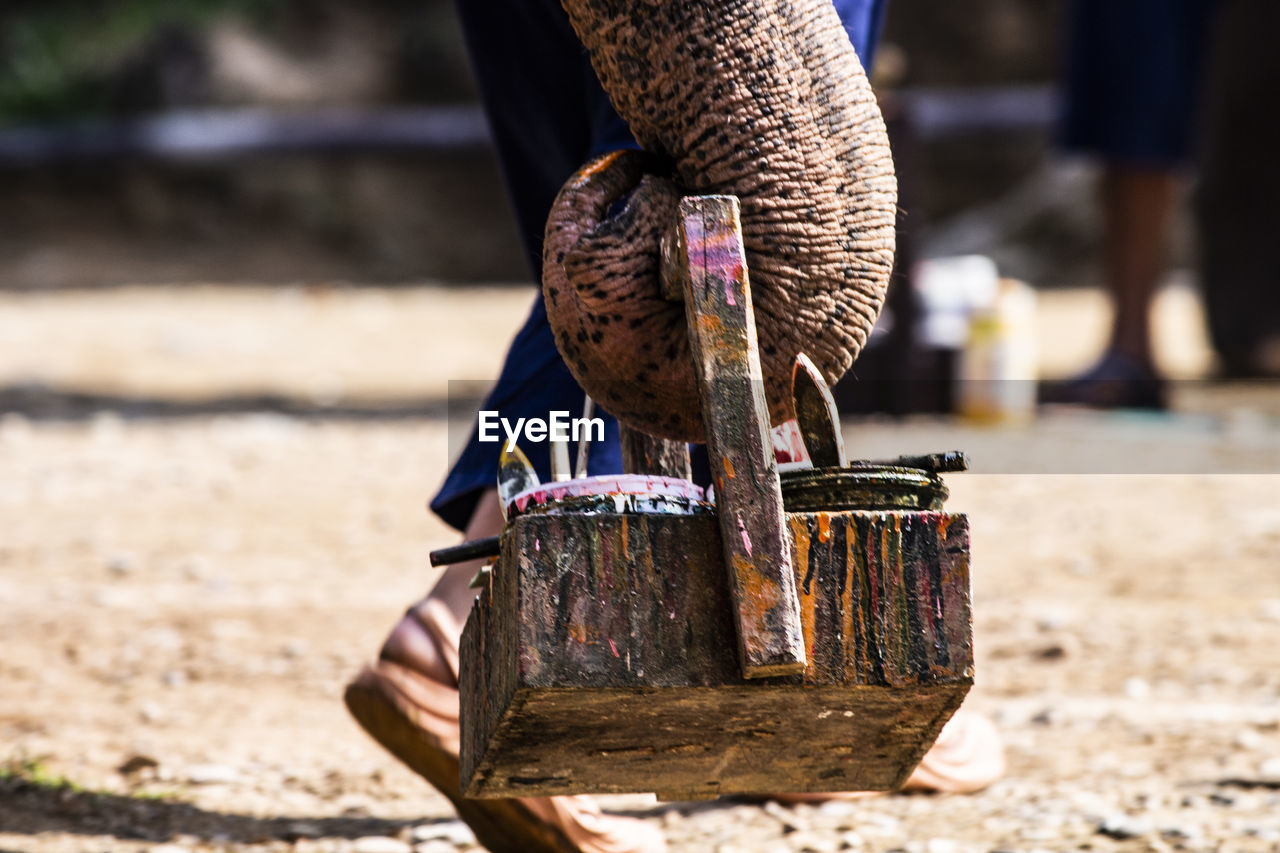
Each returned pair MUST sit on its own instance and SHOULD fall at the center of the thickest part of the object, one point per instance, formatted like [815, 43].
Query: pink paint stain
[628, 490]
[746, 540]
[613, 648]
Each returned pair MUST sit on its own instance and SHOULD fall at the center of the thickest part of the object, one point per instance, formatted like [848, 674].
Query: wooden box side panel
[884, 597]
[702, 742]
[489, 673]
[622, 600]
[603, 658]
[642, 601]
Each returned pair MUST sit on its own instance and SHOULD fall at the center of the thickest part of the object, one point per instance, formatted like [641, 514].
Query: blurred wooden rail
[223, 134]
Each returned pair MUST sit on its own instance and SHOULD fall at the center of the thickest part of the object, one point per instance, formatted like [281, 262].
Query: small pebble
[837, 808]
[212, 774]
[812, 842]
[1053, 651]
[852, 841]
[1054, 618]
[136, 763]
[1182, 831]
[435, 845]
[1121, 826]
[1137, 688]
[1082, 565]
[453, 831]
[380, 844]
[1247, 739]
[781, 813]
[15, 428]
[1270, 609]
[150, 712]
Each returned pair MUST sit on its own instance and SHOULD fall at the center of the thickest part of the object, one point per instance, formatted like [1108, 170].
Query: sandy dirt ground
[182, 599]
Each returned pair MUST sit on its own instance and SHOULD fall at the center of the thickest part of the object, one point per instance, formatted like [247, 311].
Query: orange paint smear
[758, 598]
[728, 467]
[710, 325]
[808, 601]
[824, 527]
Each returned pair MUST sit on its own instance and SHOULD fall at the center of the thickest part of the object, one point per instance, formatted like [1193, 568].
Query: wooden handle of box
[705, 260]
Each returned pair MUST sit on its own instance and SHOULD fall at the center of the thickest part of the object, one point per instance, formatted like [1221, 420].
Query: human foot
[1117, 381]
[408, 701]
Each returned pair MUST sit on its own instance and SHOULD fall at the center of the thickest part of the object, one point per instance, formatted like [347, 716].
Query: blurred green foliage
[62, 59]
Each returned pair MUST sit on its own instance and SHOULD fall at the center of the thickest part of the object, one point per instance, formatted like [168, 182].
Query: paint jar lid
[862, 486]
[616, 493]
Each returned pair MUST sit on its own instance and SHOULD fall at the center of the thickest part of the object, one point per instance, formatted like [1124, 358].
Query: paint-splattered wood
[735, 415]
[816, 415]
[601, 658]
[645, 454]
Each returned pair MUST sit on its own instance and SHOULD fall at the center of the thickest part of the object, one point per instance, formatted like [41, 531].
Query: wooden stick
[816, 415]
[560, 470]
[709, 260]
[584, 443]
[644, 454]
[515, 475]
[489, 546]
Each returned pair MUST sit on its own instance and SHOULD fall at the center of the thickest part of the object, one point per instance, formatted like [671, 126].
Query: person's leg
[1137, 205]
[544, 108]
[1143, 166]
[1132, 88]
[528, 66]
[408, 701]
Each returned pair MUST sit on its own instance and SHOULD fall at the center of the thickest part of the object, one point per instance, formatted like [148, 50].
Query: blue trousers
[1134, 79]
[548, 116]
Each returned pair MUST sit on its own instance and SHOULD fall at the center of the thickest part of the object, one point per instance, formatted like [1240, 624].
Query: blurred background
[257, 265]
[315, 153]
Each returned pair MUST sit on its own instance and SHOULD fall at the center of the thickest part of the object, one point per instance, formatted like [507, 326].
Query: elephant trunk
[763, 100]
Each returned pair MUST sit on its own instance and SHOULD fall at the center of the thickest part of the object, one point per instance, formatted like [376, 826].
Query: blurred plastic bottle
[989, 323]
[997, 370]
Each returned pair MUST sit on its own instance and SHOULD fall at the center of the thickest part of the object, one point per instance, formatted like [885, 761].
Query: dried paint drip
[862, 486]
[623, 493]
[625, 621]
[788, 445]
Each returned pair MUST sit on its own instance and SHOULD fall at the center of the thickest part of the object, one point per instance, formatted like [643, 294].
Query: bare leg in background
[1137, 206]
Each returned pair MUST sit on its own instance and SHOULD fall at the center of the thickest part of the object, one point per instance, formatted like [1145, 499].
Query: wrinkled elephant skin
[763, 100]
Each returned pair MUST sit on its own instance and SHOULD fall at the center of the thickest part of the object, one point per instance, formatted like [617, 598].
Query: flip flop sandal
[502, 826]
